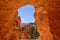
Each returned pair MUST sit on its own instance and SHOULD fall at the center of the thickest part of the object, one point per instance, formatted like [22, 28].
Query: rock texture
[47, 15]
[9, 21]
[54, 18]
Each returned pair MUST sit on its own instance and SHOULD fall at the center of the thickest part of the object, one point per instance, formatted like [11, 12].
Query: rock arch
[47, 16]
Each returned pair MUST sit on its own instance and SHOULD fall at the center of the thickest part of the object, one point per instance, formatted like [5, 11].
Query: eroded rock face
[47, 17]
[43, 26]
[9, 21]
[54, 19]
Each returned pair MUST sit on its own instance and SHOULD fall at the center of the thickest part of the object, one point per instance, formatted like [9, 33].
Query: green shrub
[33, 33]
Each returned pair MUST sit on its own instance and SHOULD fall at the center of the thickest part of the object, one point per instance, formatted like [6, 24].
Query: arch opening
[26, 13]
[28, 24]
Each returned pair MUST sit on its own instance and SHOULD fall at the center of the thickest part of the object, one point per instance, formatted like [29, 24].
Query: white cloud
[22, 19]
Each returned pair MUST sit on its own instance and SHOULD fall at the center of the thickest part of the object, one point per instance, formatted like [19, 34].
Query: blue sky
[26, 13]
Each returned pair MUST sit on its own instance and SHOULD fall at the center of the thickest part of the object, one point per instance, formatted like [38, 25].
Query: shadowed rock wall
[54, 18]
[47, 16]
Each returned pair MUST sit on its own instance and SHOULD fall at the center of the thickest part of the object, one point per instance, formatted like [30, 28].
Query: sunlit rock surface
[47, 16]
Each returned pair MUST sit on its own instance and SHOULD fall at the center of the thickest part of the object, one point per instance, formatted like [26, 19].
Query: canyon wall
[9, 21]
[48, 20]
[47, 16]
[54, 18]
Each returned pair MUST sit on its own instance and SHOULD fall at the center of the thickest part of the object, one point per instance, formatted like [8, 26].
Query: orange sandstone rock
[47, 16]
